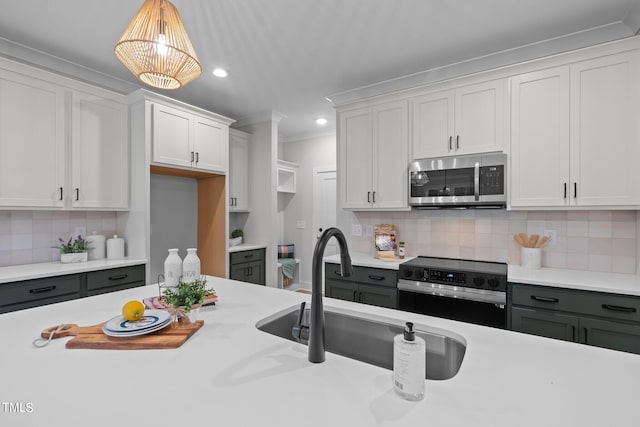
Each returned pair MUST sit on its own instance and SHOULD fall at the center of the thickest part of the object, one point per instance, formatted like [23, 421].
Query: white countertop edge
[366, 260]
[628, 284]
[16, 273]
[246, 247]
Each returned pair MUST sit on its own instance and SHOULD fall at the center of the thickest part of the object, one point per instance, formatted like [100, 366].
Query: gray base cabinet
[593, 318]
[33, 293]
[367, 285]
[248, 266]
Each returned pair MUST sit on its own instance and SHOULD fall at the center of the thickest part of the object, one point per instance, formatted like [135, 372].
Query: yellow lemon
[133, 310]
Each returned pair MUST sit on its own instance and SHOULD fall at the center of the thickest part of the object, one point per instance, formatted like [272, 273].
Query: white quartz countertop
[231, 374]
[246, 247]
[16, 273]
[366, 260]
[628, 284]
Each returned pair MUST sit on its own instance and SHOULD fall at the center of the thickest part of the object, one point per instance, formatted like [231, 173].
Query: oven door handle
[472, 294]
[476, 181]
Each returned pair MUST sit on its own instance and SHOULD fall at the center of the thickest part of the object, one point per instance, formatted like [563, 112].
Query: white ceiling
[288, 55]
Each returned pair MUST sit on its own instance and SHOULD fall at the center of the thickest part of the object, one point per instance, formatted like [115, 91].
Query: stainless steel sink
[368, 339]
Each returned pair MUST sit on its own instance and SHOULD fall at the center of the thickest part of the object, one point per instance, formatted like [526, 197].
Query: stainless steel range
[465, 290]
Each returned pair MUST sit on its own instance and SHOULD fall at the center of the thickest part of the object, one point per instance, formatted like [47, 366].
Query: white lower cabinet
[574, 134]
[56, 154]
[373, 158]
[183, 139]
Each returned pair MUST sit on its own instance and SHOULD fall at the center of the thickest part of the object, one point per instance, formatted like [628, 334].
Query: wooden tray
[92, 337]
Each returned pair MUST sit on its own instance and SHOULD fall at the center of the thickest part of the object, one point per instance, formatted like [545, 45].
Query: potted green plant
[236, 237]
[187, 297]
[73, 250]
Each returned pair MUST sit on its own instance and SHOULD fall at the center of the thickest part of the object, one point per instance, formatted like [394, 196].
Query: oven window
[460, 181]
[427, 184]
[479, 313]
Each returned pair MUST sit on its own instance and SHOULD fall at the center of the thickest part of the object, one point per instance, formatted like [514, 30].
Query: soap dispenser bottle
[409, 364]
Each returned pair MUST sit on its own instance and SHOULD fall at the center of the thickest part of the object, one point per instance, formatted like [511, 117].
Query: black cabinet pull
[355, 296]
[619, 308]
[77, 194]
[372, 277]
[544, 299]
[337, 273]
[197, 157]
[118, 277]
[192, 154]
[457, 142]
[61, 192]
[573, 333]
[368, 196]
[248, 256]
[586, 339]
[374, 196]
[450, 146]
[565, 190]
[42, 290]
[575, 190]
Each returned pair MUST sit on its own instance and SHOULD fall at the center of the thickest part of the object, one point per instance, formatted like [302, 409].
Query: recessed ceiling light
[321, 121]
[220, 72]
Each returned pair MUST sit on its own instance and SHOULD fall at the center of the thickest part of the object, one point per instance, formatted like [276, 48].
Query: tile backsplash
[586, 240]
[28, 236]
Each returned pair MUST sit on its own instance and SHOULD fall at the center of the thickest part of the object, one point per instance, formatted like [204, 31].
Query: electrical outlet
[80, 231]
[301, 223]
[369, 231]
[356, 230]
[551, 234]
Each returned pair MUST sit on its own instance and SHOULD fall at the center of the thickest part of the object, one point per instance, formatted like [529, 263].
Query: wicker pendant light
[156, 48]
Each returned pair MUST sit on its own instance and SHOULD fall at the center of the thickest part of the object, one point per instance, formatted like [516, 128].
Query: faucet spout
[316, 323]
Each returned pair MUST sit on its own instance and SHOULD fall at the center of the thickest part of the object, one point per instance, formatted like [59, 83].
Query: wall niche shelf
[287, 172]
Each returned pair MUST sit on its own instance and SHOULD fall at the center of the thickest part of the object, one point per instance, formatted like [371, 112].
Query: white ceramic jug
[191, 266]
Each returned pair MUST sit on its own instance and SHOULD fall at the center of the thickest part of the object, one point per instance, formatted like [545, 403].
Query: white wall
[174, 219]
[308, 154]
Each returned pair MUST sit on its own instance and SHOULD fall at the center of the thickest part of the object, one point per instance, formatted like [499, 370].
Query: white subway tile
[600, 229]
[599, 263]
[578, 228]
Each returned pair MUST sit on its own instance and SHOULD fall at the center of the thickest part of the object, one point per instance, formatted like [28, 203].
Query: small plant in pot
[236, 237]
[186, 297]
[73, 250]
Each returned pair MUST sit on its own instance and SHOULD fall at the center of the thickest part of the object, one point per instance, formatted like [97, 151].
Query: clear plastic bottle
[172, 269]
[191, 266]
[409, 364]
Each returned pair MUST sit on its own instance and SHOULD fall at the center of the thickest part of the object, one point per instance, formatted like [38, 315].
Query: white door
[324, 206]
[171, 136]
[432, 125]
[355, 148]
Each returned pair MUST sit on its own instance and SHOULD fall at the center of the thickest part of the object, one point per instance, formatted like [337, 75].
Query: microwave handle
[476, 181]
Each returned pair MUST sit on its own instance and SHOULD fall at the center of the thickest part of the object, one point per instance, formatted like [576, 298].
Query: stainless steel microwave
[472, 181]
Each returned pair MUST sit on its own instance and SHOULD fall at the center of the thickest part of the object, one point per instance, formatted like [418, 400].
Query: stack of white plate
[151, 321]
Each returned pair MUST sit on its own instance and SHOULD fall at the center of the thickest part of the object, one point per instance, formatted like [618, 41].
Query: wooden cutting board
[92, 337]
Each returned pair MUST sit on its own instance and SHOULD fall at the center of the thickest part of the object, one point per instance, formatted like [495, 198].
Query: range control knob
[494, 282]
[407, 273]
[478, 281]
[419, 273]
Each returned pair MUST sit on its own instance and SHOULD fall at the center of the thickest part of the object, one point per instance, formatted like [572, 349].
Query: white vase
[172, 269]
[191, 266]
[73, 257]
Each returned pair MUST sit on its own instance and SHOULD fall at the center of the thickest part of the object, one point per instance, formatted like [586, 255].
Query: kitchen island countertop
[230, 373]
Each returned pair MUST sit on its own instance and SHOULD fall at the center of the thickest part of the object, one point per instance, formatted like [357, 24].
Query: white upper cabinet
[100, 153]
[32, 142]
[465, 120]
[186, 140]
[63, 144]
[238, 171]
[540, 138]
[605, 137]
[575, 133]
[373, 157]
